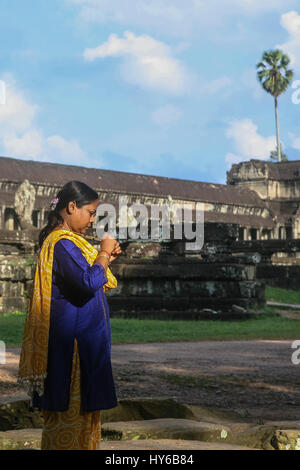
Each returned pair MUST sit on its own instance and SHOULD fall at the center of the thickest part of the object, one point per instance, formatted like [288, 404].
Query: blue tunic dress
[79, 310]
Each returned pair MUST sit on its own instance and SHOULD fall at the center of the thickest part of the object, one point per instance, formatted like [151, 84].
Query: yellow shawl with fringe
[34, 352]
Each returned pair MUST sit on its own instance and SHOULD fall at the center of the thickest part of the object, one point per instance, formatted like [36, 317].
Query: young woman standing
[65, 359]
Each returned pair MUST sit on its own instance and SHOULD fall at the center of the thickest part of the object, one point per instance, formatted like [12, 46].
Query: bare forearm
[103, 261]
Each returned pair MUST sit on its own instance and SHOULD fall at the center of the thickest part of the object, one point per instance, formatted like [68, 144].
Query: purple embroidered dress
[79, 310]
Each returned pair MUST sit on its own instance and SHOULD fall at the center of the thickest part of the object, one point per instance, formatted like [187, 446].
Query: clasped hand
[111, 245]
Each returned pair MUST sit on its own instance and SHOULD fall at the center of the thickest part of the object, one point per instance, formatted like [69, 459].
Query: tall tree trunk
[277, 131]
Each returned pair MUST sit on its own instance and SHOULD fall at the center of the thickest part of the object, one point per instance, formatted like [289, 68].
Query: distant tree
[274, 155]
[275, 78]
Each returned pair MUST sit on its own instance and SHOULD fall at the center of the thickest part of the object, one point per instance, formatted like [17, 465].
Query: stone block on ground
[175, 434]
[168, 428]
[286, 439]
[133, 409]
[20, 439]
[168, 444]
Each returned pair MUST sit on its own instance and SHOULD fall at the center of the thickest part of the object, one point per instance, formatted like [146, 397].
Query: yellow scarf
[34, 353]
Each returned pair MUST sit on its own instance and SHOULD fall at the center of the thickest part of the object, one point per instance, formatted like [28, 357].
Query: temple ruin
[251, 230]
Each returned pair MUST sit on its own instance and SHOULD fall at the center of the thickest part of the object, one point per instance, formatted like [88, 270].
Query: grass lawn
[282, 295]
[266, 326]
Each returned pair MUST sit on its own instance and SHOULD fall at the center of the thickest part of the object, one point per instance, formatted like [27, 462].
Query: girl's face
[80, 219]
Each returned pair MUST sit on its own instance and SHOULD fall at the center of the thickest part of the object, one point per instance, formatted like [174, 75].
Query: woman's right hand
[108, 243]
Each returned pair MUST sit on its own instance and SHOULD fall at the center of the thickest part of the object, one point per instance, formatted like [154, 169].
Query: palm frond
[273, 73]
[285, 60]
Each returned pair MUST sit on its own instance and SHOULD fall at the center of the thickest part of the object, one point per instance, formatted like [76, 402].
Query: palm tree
[274, 155]
[275, 77]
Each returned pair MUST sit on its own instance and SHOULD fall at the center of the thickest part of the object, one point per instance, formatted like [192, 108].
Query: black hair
[76, 191]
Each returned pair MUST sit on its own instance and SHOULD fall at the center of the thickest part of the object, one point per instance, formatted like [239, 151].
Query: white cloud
[19, 135]
[177, 17]
[291, 22]
[29, 144]
[63, 148]
[17, 113]
[146, 62]
[166, 115]
[248, 143]
[295, 141]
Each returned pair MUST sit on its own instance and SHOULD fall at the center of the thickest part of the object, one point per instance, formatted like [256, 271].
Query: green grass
[11, 328]
[277, 294]
[266, 326]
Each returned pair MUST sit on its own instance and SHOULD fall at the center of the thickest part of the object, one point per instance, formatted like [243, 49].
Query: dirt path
[254, 378]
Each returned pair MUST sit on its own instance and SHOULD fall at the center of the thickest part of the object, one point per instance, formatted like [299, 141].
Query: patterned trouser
[73, 429]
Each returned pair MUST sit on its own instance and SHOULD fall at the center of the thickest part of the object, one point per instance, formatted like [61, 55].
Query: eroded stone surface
[20, 439]
[287, 439]
[174, 434]
[169, 428]
[158, 419]
[278, 436]
[18, 415]
[132, 409]
[31, 438]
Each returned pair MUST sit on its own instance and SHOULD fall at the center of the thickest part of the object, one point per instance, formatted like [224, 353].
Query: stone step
[140, 419]
[182, 433]
[269, 436]
[15, 412]
[168, 444]
[281, 304]
[20, 439]
[31, 438]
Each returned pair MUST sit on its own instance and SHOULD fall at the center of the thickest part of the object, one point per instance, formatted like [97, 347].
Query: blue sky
[160, 87]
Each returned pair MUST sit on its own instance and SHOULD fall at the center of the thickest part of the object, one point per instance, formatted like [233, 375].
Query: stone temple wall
[161, 279]
[279, 261]
[17, 267]
[155, 279]
[173, 283]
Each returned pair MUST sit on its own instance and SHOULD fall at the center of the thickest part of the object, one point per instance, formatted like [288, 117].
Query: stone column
[24, 204]
[9, 220]
[42, 217]
[2, 210]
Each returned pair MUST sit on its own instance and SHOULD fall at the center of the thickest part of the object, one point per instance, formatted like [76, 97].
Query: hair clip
[53, 203]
